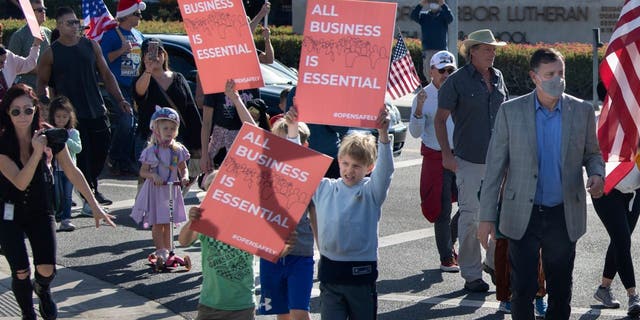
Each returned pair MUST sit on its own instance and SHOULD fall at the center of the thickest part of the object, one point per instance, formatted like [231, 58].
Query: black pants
[96, 139]
[613, 210]
[547, 230]
[40, 230]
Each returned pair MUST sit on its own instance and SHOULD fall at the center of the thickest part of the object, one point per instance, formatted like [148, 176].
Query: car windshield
[274, 76]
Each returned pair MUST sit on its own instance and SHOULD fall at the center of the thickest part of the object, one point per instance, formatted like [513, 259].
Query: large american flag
[619, 123]
[97, 17]
[403, 78]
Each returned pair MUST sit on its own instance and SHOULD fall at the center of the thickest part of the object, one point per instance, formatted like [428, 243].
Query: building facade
[524, 21]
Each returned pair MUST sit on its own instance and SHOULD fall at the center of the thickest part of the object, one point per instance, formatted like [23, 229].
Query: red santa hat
[128, 7]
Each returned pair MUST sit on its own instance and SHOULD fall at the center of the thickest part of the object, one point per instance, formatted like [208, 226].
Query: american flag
[97, 17]
[403, 78]
[619, 122]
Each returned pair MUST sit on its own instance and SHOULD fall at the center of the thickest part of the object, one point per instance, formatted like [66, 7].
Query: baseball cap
[443, 59]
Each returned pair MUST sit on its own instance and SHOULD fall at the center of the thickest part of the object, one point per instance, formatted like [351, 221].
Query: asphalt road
[410, 284]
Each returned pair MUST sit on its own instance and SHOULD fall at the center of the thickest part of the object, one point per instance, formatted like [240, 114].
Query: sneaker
[477, 285]
[540, 306]
[605, 296]
[66, 225]
[634, 306]
[505, 307]
[490, 272]
[101, 199]
[449, 265]
[47, 307]
[86, 210]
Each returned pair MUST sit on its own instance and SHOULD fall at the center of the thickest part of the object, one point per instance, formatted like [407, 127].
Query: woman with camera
[26, 197]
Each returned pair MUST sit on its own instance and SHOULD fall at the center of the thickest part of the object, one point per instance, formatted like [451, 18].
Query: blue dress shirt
[549, 138]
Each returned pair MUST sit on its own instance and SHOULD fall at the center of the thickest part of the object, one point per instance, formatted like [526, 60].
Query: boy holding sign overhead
[348, 210]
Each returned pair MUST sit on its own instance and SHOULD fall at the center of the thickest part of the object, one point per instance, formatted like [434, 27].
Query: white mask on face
[434, 6]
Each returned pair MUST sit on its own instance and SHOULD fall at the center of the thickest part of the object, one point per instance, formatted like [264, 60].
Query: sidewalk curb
[81, 296]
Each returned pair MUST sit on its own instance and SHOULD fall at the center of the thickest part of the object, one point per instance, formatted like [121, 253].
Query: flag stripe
[97, 17]
[619, 122]
[403, 78]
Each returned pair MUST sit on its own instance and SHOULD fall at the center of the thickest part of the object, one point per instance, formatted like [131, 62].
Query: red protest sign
[260, 192]
[345, 54]
[222, 44]
[30, 16]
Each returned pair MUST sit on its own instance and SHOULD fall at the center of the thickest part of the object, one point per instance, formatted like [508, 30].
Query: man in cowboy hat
[472, 96]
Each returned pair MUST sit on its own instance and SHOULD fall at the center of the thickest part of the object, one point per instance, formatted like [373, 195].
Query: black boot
[42, 288]
[23, 292]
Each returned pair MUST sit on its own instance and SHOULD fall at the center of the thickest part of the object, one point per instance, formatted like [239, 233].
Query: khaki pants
[468, 178]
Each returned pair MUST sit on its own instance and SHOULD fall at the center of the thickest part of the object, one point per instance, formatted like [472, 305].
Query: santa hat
[128, 7]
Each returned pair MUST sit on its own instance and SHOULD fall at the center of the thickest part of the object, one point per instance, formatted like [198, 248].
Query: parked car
[277, 77]
[397, 129]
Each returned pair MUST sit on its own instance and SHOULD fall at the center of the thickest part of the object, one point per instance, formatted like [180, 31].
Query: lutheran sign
[525, 21]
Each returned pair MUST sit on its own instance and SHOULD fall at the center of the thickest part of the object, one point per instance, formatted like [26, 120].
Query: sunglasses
[447, 70]
[72, 22]
[27, 111]
[40, 10]
[137, 14]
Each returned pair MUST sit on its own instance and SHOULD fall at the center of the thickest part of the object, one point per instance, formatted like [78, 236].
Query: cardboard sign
[260, 192]
[32, 22]
[222, 44]
[344, 62]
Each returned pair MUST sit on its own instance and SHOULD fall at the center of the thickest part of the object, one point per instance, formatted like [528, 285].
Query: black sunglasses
[28, 111]
[447, 70]
[41, 10]
[137, 14]
[72, 22]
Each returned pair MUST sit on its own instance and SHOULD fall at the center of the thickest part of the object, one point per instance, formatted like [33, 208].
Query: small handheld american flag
[403, 78]
[97, 17]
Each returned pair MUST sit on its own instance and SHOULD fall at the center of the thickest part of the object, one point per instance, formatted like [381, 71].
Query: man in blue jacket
[434, 18]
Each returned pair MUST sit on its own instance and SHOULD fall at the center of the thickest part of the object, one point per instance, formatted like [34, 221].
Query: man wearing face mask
[434, 18]
[543, 202]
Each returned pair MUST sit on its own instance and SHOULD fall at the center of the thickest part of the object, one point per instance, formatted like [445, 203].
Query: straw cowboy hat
[483, 36]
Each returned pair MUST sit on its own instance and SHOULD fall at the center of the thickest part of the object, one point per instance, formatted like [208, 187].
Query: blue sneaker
[505, 307]
[540, 307]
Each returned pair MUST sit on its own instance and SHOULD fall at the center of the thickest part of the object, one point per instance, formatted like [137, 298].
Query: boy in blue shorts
[286, 285]
[348, 210]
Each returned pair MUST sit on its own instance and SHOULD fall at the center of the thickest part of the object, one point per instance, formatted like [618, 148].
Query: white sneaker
[66, 225]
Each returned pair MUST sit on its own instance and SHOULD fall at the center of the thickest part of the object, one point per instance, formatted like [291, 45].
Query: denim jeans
[63, 194]
[122, 130]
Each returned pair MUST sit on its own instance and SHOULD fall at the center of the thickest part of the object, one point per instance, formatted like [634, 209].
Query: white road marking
[118, 185]
[408, 163]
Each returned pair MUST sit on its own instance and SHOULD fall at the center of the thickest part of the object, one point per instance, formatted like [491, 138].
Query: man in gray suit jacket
[539, 145]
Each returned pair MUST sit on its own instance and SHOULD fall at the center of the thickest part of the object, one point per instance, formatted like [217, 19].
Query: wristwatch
[420, 117]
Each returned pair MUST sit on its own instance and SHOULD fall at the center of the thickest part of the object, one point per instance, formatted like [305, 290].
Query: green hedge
[512, 60]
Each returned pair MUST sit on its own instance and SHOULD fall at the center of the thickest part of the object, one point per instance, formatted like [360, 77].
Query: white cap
[443, 59]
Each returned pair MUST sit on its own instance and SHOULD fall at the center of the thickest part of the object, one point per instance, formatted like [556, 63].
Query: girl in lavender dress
[164, 160]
